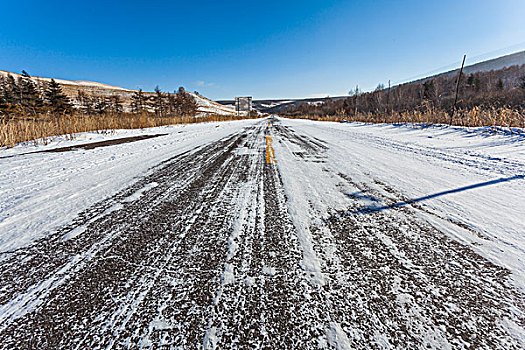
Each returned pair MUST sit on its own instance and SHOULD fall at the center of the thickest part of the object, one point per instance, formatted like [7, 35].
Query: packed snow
[349, 235]
[39, 192]
[424, 161]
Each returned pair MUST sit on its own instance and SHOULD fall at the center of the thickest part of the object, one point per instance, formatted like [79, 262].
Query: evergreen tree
[3, 93]
[185, 103]
[499, 85]
[56, 99]
[11, 93]
[470, 80]
[85, 102]
[29, 96]
[171, 104]
[429, 90]
[477, 84]
[159, 102]
[116, 104]
[100, 104]
[137, 101]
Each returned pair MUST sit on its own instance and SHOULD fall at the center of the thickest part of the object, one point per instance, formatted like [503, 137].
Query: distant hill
[515, 59]
[273, 106]
[71, 89]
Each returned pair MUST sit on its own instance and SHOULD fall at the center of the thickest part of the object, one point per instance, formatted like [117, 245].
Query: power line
[472, 60]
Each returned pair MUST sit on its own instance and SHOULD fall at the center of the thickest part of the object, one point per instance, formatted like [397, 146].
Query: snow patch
[140, 192]
[210, 339]
[41, 192]
[337, 337]
[269, 271]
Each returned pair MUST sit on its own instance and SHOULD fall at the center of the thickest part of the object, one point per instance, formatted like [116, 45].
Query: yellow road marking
[270, 153]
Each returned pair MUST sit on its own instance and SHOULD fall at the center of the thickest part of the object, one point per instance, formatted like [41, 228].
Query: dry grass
[42, 129]
[477, 116]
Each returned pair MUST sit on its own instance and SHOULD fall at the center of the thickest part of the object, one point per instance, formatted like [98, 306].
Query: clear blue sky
[268, 49]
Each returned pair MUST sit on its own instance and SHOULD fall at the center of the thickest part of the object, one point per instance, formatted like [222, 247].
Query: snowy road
[274, 234]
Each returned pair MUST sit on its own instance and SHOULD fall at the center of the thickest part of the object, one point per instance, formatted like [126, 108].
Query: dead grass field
[500, 117]
[14, 130]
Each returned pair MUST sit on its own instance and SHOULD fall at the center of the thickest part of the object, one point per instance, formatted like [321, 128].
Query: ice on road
[270, 233]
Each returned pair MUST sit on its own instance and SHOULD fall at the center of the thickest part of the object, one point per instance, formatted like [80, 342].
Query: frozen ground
[268, 233]
[42, 191]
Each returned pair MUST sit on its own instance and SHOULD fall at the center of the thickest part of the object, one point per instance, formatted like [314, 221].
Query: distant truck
[243, 104]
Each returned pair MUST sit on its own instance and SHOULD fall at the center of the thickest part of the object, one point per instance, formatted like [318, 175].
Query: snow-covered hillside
[71, 88]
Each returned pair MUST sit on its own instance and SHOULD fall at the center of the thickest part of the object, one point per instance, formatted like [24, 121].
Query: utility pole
[355, 100]
[457, 89]
[388, 98]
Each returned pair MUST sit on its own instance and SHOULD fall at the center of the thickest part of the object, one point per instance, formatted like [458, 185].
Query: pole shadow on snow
[370, 209]
[360, 195]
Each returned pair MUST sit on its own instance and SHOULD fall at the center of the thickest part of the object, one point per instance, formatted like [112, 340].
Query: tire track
[267, 302]
[147, 239]
[204, 252]
[396, 281]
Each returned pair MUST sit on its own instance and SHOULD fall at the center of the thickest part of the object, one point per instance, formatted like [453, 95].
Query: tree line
[23, 96]
[493, 89]
[179, 103]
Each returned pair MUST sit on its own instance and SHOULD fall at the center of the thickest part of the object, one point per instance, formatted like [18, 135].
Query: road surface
[259, 240]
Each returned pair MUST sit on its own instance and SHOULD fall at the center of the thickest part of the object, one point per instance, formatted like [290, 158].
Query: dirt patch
[93, 145]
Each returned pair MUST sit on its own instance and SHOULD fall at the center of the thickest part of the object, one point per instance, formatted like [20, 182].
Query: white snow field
[420, 162]
[40, 192]
[267, 233]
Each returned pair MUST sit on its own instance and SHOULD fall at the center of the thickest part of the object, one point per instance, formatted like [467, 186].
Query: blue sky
[268, 49]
